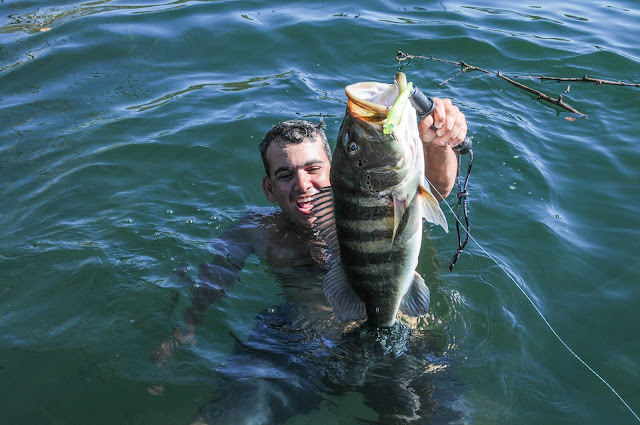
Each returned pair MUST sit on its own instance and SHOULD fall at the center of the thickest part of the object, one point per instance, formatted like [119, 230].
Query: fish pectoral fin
[400, 204]
[416, 301]
[431, 210]
[347, 305]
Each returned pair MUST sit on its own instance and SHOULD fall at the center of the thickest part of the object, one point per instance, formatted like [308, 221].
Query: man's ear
[268, 189]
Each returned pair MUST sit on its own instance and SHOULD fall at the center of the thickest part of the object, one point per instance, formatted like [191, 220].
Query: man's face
[297, 172]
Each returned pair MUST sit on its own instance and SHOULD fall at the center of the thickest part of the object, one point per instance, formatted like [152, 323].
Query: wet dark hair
[293, 131]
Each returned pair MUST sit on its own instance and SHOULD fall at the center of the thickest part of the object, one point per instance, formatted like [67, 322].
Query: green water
[128, 142]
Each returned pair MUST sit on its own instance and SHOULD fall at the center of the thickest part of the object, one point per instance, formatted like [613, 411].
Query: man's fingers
[459, 130]
[440, 114]
[450, 124]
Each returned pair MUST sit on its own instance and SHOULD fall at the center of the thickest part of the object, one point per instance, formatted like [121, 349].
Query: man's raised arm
[440, 161]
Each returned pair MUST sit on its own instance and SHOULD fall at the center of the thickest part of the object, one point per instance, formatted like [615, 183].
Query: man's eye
[314, 170]
[284, 176]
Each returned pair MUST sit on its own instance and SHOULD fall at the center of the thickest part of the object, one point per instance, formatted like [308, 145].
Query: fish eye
[352, 148]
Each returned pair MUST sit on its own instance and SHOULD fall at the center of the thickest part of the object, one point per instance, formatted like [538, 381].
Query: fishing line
[425, 106]
[553, 331]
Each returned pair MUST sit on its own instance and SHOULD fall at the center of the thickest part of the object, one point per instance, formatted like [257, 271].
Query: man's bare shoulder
[272, 236]
[260, 229]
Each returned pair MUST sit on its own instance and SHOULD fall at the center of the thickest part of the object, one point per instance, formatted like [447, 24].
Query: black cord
[462, 203]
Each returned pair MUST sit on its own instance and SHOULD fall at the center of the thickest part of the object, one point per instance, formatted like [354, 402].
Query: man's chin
[309, 222]
[306, 221]
[301, 219]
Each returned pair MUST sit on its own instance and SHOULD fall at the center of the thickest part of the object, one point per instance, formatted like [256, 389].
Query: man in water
[264, 377]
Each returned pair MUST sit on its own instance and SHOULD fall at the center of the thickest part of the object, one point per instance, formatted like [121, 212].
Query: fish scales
[371, 216]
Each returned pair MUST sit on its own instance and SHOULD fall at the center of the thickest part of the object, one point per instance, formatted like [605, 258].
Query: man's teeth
[305, 203]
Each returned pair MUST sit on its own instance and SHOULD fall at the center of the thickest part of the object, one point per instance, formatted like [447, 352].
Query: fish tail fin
[431, 210]
[416, 301]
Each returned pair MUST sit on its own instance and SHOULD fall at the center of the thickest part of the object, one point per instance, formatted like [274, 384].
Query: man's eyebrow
[312, 162]
[283, 169]
[306, 164]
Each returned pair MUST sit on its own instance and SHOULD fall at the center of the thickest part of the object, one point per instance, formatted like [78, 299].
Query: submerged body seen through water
[298, 353]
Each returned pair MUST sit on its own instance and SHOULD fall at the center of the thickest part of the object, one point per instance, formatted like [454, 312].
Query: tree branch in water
[464, 67]
[542, 96]
[584, 79]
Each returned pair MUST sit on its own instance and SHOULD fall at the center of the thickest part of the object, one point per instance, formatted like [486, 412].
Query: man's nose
[303, 181]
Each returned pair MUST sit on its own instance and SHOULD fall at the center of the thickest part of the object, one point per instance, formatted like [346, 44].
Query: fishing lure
[395, 112]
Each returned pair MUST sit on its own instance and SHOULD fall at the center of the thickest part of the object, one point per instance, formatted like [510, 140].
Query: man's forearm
[441, 166]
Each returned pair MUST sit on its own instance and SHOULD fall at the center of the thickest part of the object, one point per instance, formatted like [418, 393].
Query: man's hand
[164, 351]
[450, 124]
[440, 160]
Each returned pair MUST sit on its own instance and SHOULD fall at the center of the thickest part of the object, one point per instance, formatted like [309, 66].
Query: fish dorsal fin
[431, 210]
[400, 204]
[416, 301]
[347, 305]
[325, 223]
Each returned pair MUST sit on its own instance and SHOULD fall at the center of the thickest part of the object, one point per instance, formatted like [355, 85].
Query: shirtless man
[297, 161]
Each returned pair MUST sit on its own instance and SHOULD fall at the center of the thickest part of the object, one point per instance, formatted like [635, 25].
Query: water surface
[128, 143]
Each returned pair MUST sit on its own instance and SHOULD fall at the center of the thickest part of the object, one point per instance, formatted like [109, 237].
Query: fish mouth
[399, 166]
[371, 101]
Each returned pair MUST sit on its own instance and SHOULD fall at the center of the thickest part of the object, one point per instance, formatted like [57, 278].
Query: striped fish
[371, 215]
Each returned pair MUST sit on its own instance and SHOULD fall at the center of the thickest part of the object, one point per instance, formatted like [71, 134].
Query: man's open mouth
[305, 204]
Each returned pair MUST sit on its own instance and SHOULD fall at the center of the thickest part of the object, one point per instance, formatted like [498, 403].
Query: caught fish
[371, 215]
